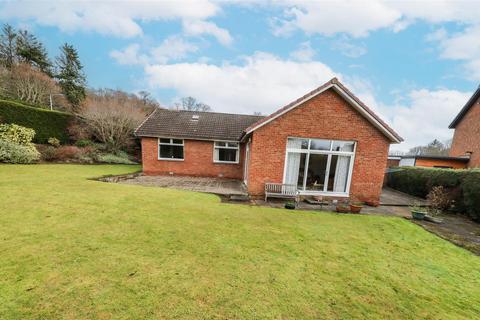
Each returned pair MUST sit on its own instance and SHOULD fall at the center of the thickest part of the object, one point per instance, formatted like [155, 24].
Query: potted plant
[342, 207]
[418, 212]
[356, 207]
[290, 205]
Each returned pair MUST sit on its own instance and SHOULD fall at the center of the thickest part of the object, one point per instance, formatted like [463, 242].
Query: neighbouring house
[326, 143]
[393, 161]
[466, 139]
[443, 162]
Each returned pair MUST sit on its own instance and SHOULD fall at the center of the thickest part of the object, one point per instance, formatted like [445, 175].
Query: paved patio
[391, 197]
[220, 186]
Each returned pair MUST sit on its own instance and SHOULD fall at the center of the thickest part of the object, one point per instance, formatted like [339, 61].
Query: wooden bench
[279, 190]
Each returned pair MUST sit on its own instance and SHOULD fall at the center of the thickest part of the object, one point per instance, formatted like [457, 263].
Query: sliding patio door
[318, 166]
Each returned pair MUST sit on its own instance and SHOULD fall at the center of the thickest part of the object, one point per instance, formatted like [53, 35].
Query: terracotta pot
[343, 209]
[355, 208]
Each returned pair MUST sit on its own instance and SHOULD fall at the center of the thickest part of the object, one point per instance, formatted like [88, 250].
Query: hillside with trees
[87, 125]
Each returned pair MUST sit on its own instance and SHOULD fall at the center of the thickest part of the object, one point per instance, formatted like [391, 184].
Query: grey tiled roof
[210, 125]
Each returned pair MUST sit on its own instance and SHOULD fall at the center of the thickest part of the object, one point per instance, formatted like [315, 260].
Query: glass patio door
[319, 166]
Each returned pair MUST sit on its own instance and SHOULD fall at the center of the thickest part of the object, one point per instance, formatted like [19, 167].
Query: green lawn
[72, 248]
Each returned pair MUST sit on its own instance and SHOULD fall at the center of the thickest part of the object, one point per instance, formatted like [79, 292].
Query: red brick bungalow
[326, 143]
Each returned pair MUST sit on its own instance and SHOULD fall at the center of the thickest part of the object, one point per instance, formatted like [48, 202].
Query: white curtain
[341, 174]
[293, 161]
[293, 166]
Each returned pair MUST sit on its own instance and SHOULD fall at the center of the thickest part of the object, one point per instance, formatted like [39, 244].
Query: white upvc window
[319, 166]
[170, 149]
[226, 152]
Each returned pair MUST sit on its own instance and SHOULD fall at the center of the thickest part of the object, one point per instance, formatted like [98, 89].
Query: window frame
[171, 143]
[237, 148]
[329, 153]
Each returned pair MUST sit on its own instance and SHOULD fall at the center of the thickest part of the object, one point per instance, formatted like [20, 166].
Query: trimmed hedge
[464, 185]
[46, 123]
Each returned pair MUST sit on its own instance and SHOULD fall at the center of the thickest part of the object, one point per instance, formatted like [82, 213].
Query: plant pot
[418, 215]
[354, 208]
[342, 209]
[290, 206]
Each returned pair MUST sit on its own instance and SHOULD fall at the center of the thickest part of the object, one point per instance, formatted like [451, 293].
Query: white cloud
[262, 82]
[171, 49]
[304, 53]
[199, 27]
[356, 18]
[129, 55]
[463, 46]
[108, 18]
[348, 48]
[425, 116]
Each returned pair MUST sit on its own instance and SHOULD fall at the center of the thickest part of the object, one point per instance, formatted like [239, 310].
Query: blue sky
[415, 63]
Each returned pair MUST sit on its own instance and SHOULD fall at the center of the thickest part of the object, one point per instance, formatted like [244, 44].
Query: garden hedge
[46, 123]
[464, 185]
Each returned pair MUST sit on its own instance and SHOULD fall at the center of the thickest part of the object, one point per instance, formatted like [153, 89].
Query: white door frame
[245, 165]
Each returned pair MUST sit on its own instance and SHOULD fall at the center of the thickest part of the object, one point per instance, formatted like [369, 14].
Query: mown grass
[73, 248]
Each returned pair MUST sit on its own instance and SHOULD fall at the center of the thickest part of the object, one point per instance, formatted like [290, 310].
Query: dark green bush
[84, 143]
[463, 185]
[47, 124]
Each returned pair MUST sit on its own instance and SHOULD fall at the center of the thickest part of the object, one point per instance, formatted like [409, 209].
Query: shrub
[12, 152]
[463, 186]
[439, 199]
[65, 153]
[84, 143]
[121, 158]
[54, 142]
[16, 134]
[47, 152]
[46, 123]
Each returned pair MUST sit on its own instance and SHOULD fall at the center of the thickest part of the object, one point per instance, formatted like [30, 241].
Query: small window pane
[294, 143]
[318, 144]
[164, 140]
[233, 144]
[220, 144]
[227, 155]
[171, 152]
[177, 141]
[343, 146]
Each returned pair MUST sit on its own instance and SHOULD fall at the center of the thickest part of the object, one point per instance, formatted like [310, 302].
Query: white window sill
[170, 159]
[225, 162]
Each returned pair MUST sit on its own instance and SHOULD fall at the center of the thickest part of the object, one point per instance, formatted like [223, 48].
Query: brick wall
[327, 116]
[467, 136]
[455, 164]
[198, 161]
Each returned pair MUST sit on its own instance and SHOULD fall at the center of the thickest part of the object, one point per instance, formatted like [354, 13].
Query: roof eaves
[143, 122]
[466, 107]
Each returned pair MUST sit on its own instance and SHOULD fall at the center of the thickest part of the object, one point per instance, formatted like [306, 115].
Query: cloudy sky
[415, 63]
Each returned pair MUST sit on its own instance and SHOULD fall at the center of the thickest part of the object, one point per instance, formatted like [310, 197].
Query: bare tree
[257, 113]
[191, 104]
[434, 148]
[31, 85]
[147, 99]
[111, 118]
